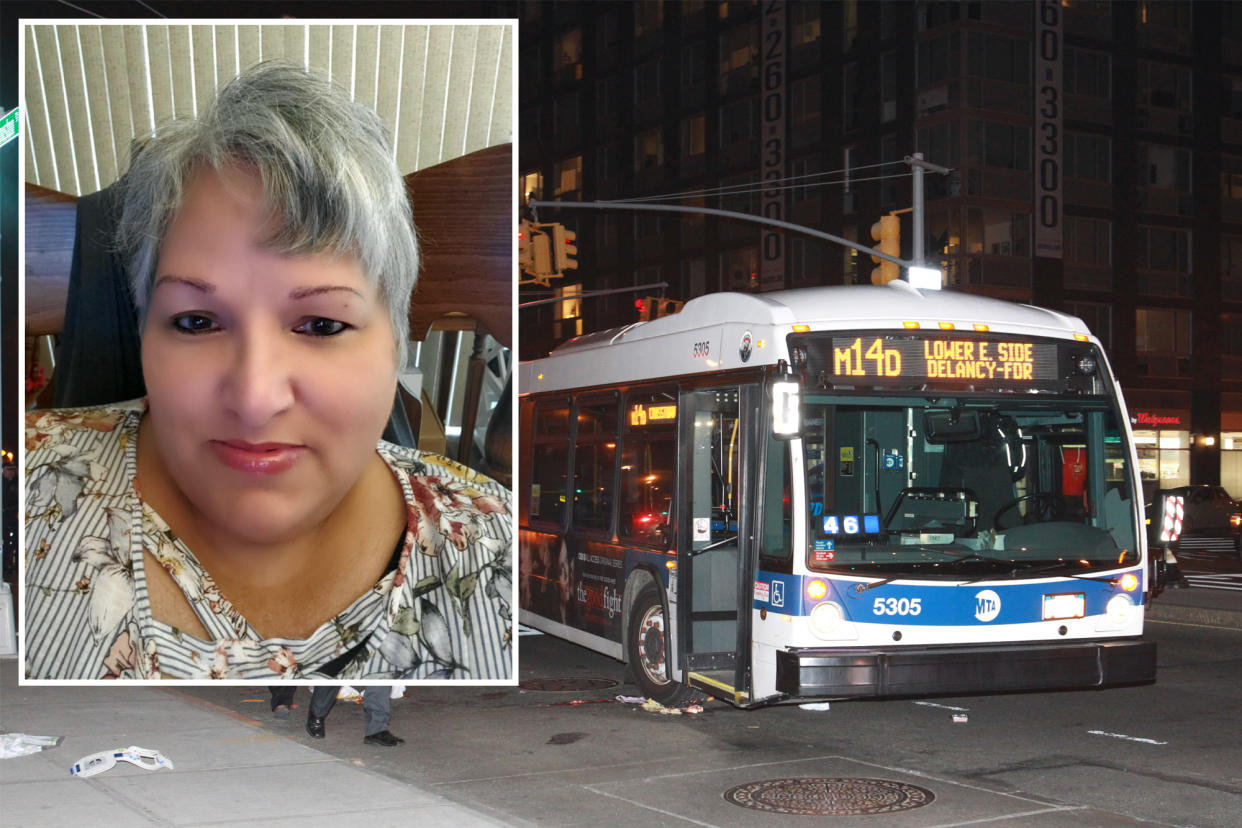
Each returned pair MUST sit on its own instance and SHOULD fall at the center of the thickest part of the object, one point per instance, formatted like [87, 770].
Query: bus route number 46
[897, 606]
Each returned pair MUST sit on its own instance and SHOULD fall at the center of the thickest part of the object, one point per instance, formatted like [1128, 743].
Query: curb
[1207, 616]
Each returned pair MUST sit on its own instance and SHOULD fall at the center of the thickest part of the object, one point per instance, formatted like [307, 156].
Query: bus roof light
[947, 326]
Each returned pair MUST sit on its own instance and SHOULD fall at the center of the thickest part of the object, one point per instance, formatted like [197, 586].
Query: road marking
[943, 706]
[1127, 738]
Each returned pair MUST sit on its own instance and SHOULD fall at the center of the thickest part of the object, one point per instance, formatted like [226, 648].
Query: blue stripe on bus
[932, 605]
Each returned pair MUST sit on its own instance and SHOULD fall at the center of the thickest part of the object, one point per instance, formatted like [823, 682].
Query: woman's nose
[259, 384]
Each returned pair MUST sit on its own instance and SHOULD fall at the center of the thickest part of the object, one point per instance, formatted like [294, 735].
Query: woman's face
[269, 376]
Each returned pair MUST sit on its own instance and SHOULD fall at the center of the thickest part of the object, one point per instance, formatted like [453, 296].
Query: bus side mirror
[786, 409]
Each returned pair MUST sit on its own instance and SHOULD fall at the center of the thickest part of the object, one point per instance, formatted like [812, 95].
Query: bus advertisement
[840, 492]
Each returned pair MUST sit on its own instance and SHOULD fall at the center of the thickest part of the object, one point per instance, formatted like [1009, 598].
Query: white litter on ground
[24, 744]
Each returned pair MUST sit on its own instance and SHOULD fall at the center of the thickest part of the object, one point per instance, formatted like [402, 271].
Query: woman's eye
[320, 326]
[193, 323]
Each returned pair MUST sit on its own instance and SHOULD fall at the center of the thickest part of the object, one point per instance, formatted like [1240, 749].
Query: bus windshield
[969, 487]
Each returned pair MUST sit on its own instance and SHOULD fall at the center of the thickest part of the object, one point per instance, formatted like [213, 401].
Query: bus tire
[646, 648]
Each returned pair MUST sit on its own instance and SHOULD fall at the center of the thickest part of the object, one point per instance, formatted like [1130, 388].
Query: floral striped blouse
[444, 611]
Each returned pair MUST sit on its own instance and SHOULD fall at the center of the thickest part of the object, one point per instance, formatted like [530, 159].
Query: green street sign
[9, 125]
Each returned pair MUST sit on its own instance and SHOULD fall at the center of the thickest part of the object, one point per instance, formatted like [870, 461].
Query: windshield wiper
[960, 557]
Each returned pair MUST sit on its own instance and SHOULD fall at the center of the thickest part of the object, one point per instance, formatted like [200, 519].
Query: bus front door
[713, 555]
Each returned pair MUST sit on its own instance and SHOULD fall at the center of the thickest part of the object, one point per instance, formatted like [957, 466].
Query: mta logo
[987, 605]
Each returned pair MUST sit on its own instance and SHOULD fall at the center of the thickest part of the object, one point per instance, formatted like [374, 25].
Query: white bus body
[958, 510]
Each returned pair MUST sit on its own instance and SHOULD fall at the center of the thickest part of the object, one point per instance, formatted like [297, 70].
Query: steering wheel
[1044, 506]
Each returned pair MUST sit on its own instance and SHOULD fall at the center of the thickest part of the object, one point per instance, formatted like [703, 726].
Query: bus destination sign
[641, 415]
[921, 358]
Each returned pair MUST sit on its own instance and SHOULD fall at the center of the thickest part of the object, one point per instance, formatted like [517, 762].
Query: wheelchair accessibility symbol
[778, 593]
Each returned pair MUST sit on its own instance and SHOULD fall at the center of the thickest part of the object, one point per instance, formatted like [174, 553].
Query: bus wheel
[646, 644]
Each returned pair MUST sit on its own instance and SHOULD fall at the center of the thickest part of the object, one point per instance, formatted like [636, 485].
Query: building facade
[1096, 150]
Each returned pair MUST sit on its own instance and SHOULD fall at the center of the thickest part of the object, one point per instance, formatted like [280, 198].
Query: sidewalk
[1195, 605]
[229, 770]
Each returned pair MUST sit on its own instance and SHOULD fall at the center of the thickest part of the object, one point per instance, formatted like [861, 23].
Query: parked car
[1211, 522]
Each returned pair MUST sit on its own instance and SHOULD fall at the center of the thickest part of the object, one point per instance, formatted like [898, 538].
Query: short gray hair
[327, 169]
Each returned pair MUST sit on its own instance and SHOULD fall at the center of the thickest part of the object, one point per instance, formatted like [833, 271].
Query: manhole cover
[567, 685]
[830, 796]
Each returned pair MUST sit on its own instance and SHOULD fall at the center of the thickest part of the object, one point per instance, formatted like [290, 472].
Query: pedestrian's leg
[282, 698]
[322, 699]
[377, 705]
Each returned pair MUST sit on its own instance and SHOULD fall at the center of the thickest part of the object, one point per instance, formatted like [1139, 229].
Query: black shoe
[384, 738]
[315, 726]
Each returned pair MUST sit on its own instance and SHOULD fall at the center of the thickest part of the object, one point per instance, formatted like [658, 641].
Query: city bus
[838, 492]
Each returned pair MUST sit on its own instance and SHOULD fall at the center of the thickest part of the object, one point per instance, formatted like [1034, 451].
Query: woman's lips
[257, 458]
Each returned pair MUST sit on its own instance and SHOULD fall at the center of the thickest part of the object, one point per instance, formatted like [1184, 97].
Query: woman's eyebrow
[197, 284]
[303, 293]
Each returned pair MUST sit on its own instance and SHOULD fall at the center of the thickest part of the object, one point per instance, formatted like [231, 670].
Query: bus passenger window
[648, 465]
[550, 464]
[595, 463]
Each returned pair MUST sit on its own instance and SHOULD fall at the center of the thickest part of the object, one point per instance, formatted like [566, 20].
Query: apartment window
[647, 226]
[804, 31]
[1233, 100]
[693, 136]
[693, 278]
[1230, 178]
[740, 268]
[567, 51]
[804, 100]
[693, 63]
[741, 196]
[998, 58]
[739, 121]
[532, 185]
[606, 100]
[568, 175]
[566, 115]
[1165, 168]
[806, 261]
[937, 59]
[1164, 85]
[1231, 266]
[1099, 319]
[997, 232]
[849, 24]
[648, 17]
[1172, 15]
[940, 144]
[648, 150]
[1088, 73]
[647, 88]
[739, 57]
[1163, 248]
[1162, 331]
[607, 168]
[1088, 156]
[606, 229]
[804, 171]
[888, 87]
[999, 145]
[607, 32]
[1088, 241]
[849, 96]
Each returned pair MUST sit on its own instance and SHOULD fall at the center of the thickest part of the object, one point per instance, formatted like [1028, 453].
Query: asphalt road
[1166, 753]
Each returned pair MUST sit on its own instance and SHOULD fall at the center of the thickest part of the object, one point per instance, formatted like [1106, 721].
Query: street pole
[669, 208]
[917, 165]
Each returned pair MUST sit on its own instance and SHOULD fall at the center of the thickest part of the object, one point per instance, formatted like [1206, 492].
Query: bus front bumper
[918, 671]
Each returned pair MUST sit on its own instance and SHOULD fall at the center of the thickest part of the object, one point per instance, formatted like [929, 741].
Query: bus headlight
[1117, 611]
[828, 621]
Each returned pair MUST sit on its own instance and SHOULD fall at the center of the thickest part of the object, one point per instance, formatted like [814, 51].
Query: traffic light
[886, 231]
[643, 306]
[564, 248]
[666, 307]
[526, 249]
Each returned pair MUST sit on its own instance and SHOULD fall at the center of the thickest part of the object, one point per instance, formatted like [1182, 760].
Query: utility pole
[917, 165]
